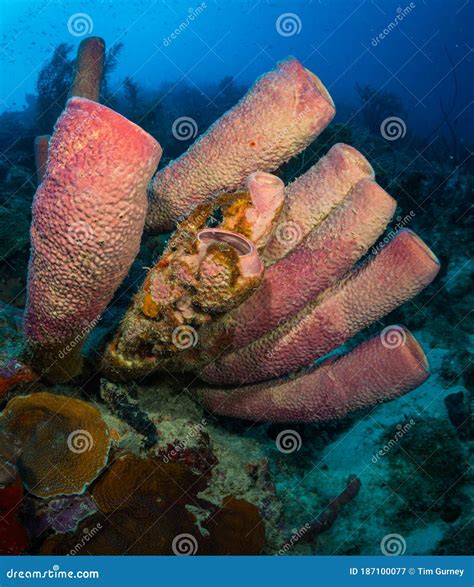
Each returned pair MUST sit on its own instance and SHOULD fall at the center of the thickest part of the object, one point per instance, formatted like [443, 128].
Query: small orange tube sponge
[65, 442]
[88, 216]
[378, 370]
[314, 195]
[396, 274]
[281, 114]
[88, 69]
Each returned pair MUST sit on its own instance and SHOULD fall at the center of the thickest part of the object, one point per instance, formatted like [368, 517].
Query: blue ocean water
[387, 479]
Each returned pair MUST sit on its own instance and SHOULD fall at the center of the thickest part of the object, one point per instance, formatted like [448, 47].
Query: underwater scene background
[113, 438]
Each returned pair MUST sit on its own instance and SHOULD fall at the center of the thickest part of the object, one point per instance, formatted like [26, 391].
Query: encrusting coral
[64, 442]
[203, 272]
[135, 490]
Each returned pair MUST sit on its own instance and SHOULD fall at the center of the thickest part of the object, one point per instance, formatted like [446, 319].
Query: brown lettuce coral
[65, 442]
[148, 507]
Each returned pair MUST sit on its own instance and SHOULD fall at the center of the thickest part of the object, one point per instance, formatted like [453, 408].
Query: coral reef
[64, 442]
[244, 311]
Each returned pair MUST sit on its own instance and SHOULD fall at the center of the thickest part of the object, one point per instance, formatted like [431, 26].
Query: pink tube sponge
[323, 258]
[282, 114]
[380, 369]
[88, 216]
[396, 274]
[314, 195]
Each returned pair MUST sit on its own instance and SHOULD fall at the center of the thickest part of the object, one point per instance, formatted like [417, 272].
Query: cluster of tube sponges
[263, 279]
